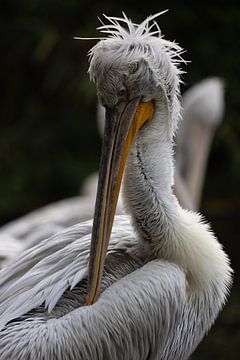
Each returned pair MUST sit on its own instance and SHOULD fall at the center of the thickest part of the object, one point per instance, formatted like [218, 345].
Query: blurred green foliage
[48, 136]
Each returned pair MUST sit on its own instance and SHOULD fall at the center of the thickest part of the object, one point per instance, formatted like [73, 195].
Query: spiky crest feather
[136, 33]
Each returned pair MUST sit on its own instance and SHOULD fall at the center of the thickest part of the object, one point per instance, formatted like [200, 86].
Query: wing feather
[133, 319]
[43, 273]
[9, 248]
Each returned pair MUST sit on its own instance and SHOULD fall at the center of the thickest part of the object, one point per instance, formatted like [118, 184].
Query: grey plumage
[166, 276]
[130, 327]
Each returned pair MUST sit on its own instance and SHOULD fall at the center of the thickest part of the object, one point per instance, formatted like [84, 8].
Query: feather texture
[44, 272]
[137, 304]
[166, 276]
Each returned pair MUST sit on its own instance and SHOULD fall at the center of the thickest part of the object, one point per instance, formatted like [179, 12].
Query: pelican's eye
[122, 91]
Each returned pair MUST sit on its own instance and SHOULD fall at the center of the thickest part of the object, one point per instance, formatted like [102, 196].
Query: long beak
[121, 125]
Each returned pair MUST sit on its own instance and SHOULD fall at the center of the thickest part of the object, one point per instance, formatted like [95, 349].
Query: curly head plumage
[136, 34]
[135, 59]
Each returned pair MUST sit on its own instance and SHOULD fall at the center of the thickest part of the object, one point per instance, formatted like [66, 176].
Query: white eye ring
[122, 91]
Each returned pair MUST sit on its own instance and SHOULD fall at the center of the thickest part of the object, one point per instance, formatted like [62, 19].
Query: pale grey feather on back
[48, 269]
[144, 312]
[126, 328]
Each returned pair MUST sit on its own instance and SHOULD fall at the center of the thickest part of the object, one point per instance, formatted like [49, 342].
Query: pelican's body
[166, 276]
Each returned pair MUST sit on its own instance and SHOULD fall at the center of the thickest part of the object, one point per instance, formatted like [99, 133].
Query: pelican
[203, 108]
[10, 248]
[156, 278]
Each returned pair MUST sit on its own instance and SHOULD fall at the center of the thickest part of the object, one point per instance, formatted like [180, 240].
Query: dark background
[48, 137]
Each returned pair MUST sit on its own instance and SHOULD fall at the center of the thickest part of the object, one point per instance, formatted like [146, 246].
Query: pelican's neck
[164, 228]
[149, 178]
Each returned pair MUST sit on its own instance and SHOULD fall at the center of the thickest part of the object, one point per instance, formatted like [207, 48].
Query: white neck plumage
[149, 178]
[164, 228]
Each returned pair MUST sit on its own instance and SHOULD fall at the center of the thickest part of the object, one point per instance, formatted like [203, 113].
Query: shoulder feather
[43, 273]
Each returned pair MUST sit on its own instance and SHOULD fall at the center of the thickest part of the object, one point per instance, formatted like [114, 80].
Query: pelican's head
[123, 73]
[136, 62]
[133, 68]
